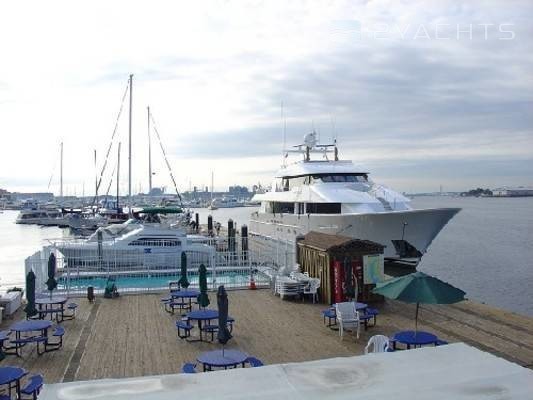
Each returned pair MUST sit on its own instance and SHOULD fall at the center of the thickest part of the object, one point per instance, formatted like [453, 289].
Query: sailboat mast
[149, 155]
[129, 144]
[61, 172]
[96, 179]
[118, 175]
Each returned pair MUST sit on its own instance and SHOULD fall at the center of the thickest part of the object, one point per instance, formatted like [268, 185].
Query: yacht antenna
[129, 144]
[149, 156]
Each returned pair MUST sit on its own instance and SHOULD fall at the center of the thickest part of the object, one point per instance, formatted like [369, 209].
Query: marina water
[486, 249]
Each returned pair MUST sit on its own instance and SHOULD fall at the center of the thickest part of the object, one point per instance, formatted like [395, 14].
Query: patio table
[331, 314]
[28, 326]
[46, 305]
[202, 316]
[188, 294]
[412, 338]
[220, 359]
[11, 376]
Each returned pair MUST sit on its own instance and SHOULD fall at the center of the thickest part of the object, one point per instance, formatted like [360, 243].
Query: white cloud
[215, 73]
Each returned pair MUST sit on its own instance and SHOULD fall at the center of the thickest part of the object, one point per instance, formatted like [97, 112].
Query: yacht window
[301, 208]
[155, 242]
[290, 183]
[323, 208]
[282, 208]
[351, 178]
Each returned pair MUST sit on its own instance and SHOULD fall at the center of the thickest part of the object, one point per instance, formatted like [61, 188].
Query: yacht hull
[417, 228]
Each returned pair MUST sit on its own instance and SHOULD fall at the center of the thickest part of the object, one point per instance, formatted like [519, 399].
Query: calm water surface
[486, 249]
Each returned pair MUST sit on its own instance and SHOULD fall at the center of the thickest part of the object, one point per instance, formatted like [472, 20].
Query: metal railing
[229, 262]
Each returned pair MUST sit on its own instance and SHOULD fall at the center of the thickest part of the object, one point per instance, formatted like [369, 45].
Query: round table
[358, 306]
[8, 375]
[184, 294]
[412, 338]
[202, 315]
[47, 301]
[53, 300]
[222, 359]
[30, 325]
[188, 293]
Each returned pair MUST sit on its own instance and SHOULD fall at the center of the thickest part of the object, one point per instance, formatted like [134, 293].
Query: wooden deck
[134, 336]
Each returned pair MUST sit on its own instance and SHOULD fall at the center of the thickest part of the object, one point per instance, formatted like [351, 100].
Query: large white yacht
[334, 196]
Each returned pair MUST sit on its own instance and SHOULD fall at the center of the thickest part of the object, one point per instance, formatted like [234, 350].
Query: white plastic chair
[347, 317]
[379, 344]
[312, 288]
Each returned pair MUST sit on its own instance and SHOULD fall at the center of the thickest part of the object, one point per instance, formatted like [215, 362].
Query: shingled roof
[326, 242]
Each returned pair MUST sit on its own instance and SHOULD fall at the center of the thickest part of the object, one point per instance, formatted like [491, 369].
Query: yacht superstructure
[336, 197]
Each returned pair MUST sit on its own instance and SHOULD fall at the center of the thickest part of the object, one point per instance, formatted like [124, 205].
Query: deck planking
[134, 336]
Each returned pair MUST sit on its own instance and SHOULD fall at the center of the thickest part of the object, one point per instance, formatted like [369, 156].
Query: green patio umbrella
[420, 288]
[203, 298]
[51, 283]
[30, 295]
[183, 282]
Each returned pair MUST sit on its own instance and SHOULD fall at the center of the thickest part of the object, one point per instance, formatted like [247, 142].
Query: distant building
[238, 191]
[39, 196]
[512, 192]
[156, 192]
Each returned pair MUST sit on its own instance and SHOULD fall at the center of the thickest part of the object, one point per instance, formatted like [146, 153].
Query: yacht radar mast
[310, 145]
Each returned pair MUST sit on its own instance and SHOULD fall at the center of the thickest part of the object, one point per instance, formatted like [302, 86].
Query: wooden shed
[327, 256]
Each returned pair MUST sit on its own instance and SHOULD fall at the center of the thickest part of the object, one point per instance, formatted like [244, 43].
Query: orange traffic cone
[252, 282]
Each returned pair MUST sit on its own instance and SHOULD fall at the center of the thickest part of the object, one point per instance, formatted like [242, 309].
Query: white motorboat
[132, 243]
[225, 202]
[336, 197]
[36, 214]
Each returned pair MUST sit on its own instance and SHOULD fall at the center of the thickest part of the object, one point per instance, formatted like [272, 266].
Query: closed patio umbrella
[183, 282]
[420, 288]
[223, 332]
[203, 298]
[51, 283]
[30, 295]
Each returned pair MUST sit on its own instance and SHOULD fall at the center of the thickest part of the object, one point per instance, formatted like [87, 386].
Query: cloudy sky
[420, 96]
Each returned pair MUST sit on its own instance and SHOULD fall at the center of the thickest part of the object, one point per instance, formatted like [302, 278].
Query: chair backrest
[379, 344]
[346, 310]
[254, 362]
[312, 286]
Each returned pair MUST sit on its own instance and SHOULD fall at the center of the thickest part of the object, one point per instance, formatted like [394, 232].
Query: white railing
[137, 271]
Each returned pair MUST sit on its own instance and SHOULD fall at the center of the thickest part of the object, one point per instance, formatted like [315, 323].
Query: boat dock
[133, 336]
